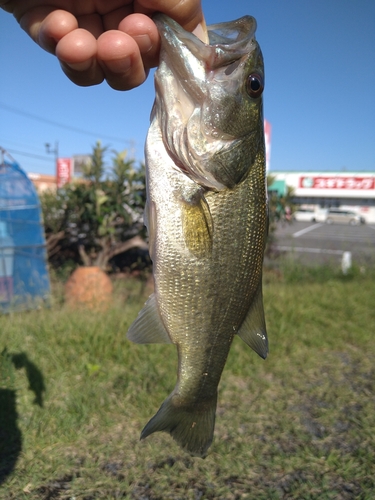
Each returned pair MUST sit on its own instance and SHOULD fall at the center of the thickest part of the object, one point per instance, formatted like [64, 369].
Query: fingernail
[119, 65]
[80, 66]
[144, 43]
[201, 32]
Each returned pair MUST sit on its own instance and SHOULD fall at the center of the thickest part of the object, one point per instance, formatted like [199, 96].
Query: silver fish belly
[206, 216]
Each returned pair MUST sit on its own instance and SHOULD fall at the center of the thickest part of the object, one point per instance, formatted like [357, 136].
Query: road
[320, 242]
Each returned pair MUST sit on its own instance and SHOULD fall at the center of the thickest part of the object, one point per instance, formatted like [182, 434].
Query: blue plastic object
[24, 278]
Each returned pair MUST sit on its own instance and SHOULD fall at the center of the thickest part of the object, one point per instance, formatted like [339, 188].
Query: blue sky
[319, 96]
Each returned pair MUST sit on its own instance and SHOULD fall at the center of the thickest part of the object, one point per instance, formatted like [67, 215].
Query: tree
[280, 209]
[55, 209]
[98, 216]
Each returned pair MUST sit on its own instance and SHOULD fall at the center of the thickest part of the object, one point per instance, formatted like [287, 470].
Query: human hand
[115, 40]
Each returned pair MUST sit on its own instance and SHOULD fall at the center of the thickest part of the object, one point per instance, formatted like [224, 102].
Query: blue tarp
[24, 279]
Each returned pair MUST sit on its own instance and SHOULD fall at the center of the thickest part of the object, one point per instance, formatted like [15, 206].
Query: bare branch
[85, 258]
[52, 241]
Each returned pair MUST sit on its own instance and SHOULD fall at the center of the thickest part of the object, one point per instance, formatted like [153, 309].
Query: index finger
[188, 13]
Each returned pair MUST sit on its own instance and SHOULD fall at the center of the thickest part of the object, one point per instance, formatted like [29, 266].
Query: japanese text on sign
[337, 182]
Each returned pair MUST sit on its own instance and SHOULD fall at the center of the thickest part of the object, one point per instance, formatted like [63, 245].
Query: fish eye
[254, 85]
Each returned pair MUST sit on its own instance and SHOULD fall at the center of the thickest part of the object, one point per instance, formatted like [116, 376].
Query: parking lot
[311, 242]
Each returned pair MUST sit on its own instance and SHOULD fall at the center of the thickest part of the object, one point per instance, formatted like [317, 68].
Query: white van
[335, 215]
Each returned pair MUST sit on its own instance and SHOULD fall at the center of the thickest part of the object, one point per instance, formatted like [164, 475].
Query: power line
[31, 148]
[16, 111]
[30, 155]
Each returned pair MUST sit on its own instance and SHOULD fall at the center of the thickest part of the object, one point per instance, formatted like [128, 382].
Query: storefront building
[353, 191]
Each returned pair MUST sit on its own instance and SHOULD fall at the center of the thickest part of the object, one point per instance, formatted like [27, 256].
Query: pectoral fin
[197, 226]
[253, 329]
[148, 327]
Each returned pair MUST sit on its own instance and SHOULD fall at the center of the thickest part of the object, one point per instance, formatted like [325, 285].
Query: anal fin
[148, 327]
[253, 329]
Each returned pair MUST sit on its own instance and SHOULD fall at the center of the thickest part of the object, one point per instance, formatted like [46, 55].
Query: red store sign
[63, 171]
[337, 182]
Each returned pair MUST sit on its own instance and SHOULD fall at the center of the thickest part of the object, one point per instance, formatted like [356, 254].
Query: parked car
[304, 215]
[335, 215]
[310, 215]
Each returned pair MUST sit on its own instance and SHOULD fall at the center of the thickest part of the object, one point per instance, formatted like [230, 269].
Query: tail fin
[192, 428]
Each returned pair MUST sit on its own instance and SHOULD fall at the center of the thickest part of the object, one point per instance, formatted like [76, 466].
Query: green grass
[75, 394]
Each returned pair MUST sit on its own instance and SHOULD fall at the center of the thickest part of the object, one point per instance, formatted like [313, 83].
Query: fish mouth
[228, 41]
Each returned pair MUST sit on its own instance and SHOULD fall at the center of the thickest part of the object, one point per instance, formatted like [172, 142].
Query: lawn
[75, 394]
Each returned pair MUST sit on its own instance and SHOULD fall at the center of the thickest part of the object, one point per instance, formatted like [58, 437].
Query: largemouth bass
[206, 216]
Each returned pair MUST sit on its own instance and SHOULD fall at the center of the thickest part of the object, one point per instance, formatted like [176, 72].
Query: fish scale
[206, 217]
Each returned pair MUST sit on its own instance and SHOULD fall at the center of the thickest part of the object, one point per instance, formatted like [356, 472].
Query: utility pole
[55, 151]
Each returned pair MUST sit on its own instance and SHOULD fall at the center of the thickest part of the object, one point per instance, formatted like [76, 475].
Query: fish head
[209, 100]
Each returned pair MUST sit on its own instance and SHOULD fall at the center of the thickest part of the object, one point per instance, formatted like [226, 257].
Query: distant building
[348, 190]
[43, 182]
